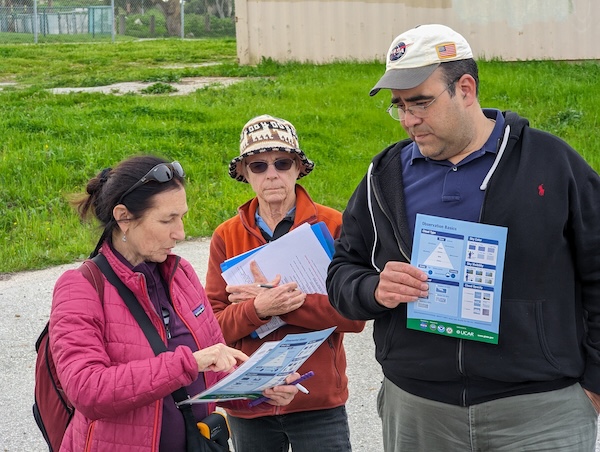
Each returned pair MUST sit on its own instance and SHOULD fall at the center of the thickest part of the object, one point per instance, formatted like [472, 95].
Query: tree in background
[172, 12]
[197, 15]
[223, 8]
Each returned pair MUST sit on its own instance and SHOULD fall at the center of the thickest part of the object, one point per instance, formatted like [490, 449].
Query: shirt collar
[149, 269]
[263, 225]
[491, 145]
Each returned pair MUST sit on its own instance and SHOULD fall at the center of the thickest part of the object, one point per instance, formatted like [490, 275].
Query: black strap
[156, 342]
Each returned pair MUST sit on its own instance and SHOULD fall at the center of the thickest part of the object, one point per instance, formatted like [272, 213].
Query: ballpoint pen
[296, 383]
[266, 286]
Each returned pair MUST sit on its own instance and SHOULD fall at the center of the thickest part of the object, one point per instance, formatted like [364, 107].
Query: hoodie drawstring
[370, 205]
[499, 155]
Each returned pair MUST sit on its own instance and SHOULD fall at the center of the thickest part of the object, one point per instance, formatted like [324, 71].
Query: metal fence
[27, 21]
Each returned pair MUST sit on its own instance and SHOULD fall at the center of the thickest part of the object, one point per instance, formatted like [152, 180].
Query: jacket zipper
[157, 426]
[166, 316]
[337, 372]
[88, 439]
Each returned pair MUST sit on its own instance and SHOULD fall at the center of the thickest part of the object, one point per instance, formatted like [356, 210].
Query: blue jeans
[307, 431]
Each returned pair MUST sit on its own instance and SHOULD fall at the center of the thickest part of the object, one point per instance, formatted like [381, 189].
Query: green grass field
[50, 145]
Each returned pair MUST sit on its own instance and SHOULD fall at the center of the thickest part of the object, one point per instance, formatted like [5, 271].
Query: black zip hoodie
[549, 199]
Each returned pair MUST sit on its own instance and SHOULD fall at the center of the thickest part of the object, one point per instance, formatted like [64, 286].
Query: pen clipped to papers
[296, 382]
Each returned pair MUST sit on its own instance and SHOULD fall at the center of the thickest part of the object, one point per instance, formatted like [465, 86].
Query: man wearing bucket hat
[537, 388]
[271, 161]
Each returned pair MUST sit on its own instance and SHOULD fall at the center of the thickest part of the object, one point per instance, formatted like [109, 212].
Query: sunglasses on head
[163, 172]
[280, 165]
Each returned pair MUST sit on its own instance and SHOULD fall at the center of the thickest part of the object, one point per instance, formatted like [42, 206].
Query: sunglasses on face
[163, 172]
[280, 165]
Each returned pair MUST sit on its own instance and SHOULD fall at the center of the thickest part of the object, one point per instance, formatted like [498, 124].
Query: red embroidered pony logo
[541, 190]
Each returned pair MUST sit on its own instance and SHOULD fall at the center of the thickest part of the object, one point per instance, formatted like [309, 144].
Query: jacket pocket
[383, 333]
[533, 345]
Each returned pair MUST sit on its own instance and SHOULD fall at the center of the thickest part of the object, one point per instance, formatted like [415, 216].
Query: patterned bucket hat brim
[267, 134]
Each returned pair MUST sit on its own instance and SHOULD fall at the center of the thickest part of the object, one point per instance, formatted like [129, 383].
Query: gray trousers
[564, 420]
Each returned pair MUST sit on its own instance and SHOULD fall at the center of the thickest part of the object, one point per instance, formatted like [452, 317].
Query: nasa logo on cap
[398, 52]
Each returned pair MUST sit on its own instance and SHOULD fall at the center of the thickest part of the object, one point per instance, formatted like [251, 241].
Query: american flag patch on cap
[446, 50]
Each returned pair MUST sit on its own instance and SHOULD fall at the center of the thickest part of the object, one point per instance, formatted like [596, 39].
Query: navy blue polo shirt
[441, 188]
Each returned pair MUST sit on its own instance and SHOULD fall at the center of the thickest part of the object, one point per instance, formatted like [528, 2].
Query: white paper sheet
[297, 256]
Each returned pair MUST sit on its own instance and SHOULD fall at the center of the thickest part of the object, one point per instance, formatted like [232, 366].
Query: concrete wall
[329, 30]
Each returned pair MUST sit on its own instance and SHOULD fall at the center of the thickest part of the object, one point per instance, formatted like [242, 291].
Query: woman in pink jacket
[120, 389]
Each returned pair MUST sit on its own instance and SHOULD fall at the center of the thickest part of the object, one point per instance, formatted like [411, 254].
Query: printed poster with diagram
[465, 264]
[266, 367]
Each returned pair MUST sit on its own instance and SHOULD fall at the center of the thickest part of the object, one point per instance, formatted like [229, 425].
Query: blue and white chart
[465, 264]
[267, 367]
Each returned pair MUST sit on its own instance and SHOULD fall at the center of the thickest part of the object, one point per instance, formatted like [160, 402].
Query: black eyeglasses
[163, 172]
[398, 111]
[280, 165]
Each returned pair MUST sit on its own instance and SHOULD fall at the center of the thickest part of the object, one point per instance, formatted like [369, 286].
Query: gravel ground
[183, 87]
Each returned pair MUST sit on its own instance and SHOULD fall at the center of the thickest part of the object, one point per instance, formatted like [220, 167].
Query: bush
[195, 7]
[138, 25]
[159, 88]
[219, 28]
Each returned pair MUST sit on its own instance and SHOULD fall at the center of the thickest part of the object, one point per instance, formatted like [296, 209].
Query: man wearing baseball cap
[537, 387]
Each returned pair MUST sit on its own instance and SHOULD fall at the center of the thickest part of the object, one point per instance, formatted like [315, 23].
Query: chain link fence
[33, 21]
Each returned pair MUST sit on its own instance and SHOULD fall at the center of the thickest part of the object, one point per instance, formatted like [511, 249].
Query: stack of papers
[302, 255]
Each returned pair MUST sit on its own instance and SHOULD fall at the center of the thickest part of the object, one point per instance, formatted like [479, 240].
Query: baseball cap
[266, 133]
[416, 53]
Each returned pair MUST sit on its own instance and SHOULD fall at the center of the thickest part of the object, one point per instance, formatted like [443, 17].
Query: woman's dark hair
[104, 192]
[453, 70]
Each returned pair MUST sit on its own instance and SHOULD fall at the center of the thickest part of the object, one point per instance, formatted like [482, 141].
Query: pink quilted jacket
[106, 365]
